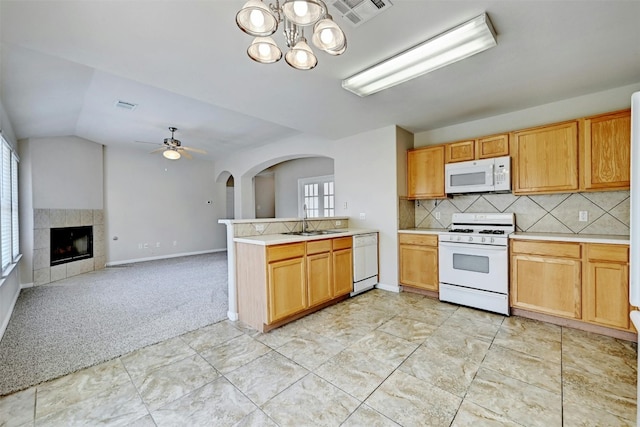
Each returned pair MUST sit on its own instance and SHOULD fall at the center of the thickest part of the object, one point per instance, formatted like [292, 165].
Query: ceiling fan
[173, 149]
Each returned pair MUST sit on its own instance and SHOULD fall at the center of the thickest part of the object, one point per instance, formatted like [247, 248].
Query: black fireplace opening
[71, 244]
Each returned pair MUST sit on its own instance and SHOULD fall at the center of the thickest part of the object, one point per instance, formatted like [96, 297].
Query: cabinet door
[342, 272]
[459, 151]
[607, 294]
[287, 288]
[492, 146]
[606, 141]
[425, 173]
[606, 285]
[545, 159]
[319, 278]
[546, 285]
[419, 267]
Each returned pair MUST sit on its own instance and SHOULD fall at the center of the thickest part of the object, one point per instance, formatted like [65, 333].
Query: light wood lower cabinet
[282, 282]
[583, 281]
[547, 285]
[419, 261]
[287, 288]
[606, 285]
[342, 266]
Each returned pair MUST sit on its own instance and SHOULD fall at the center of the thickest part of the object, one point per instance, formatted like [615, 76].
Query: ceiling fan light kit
[173, 149]
[171, 154]
[463, 41]
[261, 20]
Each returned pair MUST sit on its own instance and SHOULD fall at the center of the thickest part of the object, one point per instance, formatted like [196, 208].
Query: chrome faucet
[304, 219]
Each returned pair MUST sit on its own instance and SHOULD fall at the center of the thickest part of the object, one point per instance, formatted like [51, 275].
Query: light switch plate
[583, 216]
[363, 215]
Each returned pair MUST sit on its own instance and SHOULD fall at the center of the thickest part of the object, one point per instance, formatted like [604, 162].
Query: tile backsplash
[608, 211]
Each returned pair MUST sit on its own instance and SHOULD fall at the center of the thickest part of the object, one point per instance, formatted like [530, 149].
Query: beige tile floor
[379, 359]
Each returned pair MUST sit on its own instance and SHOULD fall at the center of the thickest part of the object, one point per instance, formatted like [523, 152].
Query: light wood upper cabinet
[606, 151]
[492, 146]
[545, 159]
[475, 149]
[425, 173]
[545, 281]
[419, 261]
[606, 285]
[459, 151]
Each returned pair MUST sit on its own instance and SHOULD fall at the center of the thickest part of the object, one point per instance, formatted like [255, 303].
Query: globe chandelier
[261, 20]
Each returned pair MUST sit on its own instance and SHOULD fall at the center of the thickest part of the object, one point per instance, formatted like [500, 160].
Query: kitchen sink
[311, 233]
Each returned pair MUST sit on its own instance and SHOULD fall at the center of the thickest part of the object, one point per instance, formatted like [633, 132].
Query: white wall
[572, 108]
[286, 181]
[151, 200]
[265, 195]
[66, 173]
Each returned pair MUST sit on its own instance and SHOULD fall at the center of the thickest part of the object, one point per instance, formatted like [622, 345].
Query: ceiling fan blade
[194, 150]
[157, 150]
[147, 142]
[185, 154]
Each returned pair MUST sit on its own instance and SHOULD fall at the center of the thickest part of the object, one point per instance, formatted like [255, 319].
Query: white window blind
[15, 229]
[5, 205]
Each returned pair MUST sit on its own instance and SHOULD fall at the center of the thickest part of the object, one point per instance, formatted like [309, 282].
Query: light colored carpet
[78, 322]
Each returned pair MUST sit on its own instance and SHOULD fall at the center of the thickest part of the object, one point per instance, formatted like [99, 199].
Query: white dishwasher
[365, 262]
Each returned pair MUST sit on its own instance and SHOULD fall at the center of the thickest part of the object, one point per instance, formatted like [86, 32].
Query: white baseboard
[26, 285]
[390, 288]
[153, 258]
[232, 316]
[5, 321]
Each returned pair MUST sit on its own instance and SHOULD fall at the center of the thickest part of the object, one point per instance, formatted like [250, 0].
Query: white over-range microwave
[478, 176]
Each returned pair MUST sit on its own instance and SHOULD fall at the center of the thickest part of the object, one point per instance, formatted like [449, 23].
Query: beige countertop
[279, 239]
[567, 237]
[557, 237]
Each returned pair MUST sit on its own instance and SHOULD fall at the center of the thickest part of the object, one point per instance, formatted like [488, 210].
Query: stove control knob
[482, 240]
[492, 240]
[470, 239]
[459, 238]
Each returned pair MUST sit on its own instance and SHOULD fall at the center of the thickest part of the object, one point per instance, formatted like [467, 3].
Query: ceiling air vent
[126, 105]
[357, 12]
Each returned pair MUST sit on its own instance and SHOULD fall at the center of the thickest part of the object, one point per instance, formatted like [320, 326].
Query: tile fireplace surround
[43, 221]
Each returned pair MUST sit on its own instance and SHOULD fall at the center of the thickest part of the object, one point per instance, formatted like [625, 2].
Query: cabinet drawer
[342, 243]
[419, 239]
[557, 250]
[318, 246]
[612, 253]
[286, 251]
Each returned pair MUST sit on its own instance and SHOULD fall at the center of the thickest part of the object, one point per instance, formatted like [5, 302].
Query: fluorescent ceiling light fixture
[463, 41]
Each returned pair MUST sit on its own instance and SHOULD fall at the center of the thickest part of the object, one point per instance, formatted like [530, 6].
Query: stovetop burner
[461, 230]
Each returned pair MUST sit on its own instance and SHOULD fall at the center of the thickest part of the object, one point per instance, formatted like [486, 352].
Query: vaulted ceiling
[65, 64]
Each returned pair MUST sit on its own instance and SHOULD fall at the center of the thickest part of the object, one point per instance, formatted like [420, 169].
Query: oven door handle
[481, 247]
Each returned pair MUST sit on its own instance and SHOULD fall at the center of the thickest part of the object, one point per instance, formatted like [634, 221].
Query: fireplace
[71, 244]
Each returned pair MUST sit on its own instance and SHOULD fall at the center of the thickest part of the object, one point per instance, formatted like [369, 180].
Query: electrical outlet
[363, 215]
[157, 244]
[345, 205]
[146, 246]
[583, 216]
[338, 223]
[175, 243]
[437, 215]
[259, 227]
[139, 245]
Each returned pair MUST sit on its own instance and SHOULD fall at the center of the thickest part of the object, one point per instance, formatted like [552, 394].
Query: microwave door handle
[492, 174]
